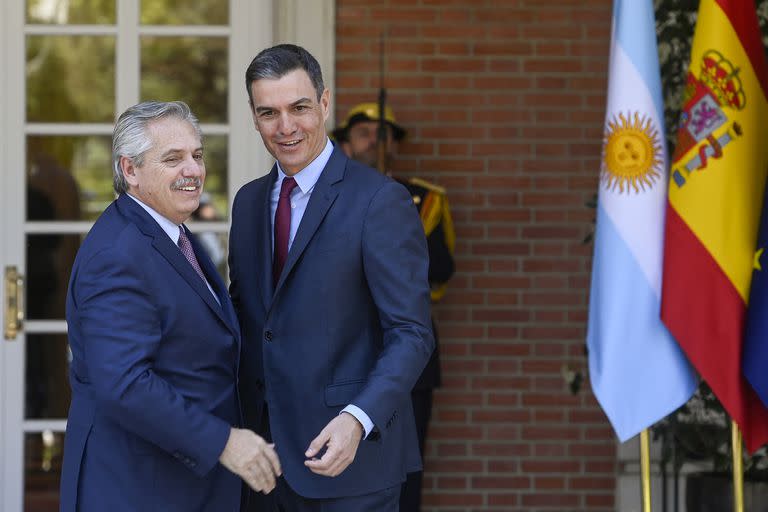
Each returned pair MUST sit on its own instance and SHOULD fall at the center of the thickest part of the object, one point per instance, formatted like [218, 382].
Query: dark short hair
[278, 61]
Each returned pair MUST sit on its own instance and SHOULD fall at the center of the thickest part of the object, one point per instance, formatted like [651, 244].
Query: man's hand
[252, 459]
[341, 437]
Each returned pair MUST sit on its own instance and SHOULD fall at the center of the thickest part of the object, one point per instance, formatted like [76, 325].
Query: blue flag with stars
[754, 361]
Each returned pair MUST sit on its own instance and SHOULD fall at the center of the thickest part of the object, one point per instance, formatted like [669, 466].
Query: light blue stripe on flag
[638, 373]
[634, 21]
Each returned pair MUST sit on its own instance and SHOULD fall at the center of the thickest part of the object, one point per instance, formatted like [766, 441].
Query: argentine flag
[638, 373]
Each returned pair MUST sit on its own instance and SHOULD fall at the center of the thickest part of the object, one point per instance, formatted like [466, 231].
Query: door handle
[14, 302]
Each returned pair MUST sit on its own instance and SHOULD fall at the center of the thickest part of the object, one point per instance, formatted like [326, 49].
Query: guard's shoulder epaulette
[429, 186]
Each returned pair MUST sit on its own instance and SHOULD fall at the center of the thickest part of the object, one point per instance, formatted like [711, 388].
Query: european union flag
[754, 362]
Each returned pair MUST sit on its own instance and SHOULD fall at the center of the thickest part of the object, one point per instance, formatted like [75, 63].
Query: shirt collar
[308, 176]
[171, 228]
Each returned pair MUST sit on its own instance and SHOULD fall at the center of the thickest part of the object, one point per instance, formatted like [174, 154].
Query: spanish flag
[717, 178]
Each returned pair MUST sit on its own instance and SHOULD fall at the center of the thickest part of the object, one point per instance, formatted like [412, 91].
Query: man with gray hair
[153, 423]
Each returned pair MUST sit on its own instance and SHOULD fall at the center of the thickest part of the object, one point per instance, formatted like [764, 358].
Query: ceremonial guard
[366, 137]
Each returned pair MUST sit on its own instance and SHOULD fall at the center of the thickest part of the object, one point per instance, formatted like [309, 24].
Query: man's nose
[287, 124]
[373, 138]
[192, 166]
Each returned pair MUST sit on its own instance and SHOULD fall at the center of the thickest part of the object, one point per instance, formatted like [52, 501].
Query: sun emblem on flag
[631, 153]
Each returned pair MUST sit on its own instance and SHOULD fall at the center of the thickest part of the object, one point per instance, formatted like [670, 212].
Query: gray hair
[278, 61]
[131, 138]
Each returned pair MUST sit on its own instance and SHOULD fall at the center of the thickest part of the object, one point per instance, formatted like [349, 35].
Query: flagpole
[645, 469]
[738, 469]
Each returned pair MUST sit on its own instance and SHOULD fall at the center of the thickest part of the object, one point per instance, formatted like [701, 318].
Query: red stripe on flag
[744, 21]
[705, 314]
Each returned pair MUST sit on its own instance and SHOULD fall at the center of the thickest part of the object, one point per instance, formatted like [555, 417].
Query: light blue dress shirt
[306, 180]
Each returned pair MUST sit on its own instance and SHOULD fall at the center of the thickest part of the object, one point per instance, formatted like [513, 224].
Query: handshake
[255, 461]
[251, 458]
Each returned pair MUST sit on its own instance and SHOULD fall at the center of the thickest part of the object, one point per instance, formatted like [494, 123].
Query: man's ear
[346, 147]
[253, 115]
[325, 104]
[128, 169]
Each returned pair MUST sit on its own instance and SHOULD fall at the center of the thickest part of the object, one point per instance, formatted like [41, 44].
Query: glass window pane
[49, 262]
[214, 203]
[70, 79]
[42, 470]
[47, 376]
[185, 12]
[68, 177]
[81, 12]
[191, 69]
[216, 182]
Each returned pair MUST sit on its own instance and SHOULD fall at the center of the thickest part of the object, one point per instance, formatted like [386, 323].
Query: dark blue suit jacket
[348, 322]
[153, 374]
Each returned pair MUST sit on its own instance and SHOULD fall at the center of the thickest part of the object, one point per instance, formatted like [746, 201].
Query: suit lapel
[224, 307]
[263, 237]
[323, 196]
[163, 244]
[211, 273]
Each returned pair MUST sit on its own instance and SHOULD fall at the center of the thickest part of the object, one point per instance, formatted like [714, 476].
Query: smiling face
[289, 119]
[170, 179]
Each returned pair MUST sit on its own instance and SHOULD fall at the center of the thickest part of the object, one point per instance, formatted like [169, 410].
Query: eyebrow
[300, 101]
[178, 150]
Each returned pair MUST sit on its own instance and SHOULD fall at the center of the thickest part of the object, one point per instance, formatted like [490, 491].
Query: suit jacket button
[268, 335]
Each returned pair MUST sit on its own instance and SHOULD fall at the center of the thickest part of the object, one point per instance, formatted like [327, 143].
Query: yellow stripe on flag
[721, 202]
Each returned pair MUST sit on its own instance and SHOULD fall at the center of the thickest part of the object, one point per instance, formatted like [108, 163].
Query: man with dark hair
[359, 138]
[155, 341]
[328, 268]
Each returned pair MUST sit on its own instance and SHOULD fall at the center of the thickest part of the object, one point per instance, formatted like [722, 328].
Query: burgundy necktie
[282, 227]
[186, 250]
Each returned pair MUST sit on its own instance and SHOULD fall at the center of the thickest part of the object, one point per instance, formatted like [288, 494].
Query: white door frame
[254, 25]
[13, 205]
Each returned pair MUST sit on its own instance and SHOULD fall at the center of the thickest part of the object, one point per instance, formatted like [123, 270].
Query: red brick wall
[504, 103]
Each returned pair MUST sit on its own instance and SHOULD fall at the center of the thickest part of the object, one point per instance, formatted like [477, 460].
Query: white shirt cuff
[363, 418]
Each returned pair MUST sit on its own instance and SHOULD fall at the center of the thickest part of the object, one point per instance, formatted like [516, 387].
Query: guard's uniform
[435, 215]
[432, 204]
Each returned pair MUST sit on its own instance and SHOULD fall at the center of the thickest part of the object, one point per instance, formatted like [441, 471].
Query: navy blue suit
[347, 323]
[153, 373]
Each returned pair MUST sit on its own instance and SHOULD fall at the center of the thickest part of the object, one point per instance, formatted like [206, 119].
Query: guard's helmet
[367, 112]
